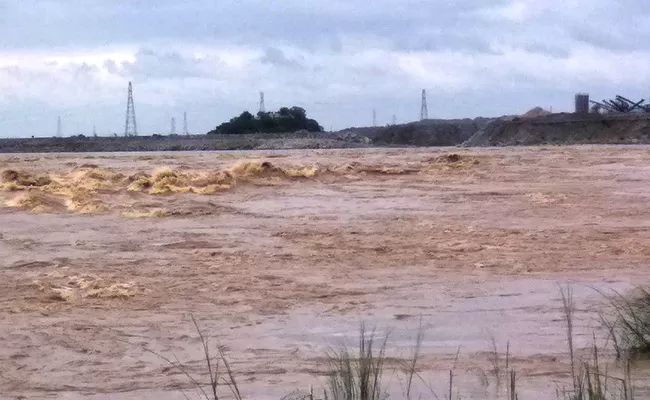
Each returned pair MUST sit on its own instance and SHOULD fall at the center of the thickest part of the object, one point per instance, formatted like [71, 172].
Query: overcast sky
[338, 59]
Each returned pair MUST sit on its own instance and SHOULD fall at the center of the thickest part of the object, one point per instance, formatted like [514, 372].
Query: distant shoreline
[562, 128]
[173, 143]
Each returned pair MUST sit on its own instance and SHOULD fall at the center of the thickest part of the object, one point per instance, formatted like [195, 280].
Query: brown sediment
[76, 288]
[24, 179]
[38, 202]
[152, 213]
[84, 188]
[467, 242]
[85, 203]
[258, 168]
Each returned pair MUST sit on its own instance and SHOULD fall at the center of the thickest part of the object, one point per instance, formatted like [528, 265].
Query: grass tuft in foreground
[358, 374]
[590, 382]
[629, 322]
[358, 377]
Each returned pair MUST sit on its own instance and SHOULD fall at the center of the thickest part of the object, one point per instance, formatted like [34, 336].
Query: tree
[267, 122]
[298, 113]
[284, 120]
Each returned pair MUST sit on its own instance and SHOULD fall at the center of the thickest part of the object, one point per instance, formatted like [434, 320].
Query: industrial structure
[582, 103]
[185, 131]
[130, 127]
[59, 130]
[172, 131]
[620, 104]
[424, 112]
[262, 106]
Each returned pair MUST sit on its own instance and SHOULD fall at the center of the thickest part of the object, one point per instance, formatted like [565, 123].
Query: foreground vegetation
[359, 374]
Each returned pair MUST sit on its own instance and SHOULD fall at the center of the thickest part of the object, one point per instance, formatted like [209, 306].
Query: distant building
[582, 103]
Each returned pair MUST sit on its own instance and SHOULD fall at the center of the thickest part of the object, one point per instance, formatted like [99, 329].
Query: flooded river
[281, 256]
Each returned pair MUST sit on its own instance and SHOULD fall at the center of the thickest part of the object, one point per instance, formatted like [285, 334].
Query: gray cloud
[316, 24]
[443, 41]
[610, 39]
[335, 58]
[112, 67]
[276, 57]
[546, 49]
[308, 24]
[21, 74]
[83, 71]
[150, 64]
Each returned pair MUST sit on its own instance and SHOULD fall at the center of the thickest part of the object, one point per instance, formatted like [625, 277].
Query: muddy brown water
[281, 263]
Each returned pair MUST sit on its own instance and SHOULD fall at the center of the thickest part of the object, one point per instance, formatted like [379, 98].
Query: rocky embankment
[564, 128]
[431, 132]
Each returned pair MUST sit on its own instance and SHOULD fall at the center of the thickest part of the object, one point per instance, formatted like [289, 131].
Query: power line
[130, 127]
[424, 112]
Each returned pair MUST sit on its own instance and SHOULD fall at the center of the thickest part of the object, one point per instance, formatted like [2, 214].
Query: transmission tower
[185, 131]
[424, 112]
[173, 130]
[59, 131]
[94, 131]
[374, 117]
[394, 120]
[262, 107]
[130, 127]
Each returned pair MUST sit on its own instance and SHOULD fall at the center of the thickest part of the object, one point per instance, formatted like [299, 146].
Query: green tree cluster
[284, 120]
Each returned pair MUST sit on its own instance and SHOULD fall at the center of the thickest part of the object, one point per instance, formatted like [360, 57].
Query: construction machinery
[619, 105]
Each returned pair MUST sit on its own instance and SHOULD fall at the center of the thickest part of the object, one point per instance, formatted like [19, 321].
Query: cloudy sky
[338, 59]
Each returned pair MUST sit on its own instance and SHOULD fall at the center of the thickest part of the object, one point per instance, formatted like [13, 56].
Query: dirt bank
[430, 132]
[564, 129]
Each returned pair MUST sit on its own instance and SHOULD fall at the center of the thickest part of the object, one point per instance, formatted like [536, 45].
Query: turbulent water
[280, 256]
